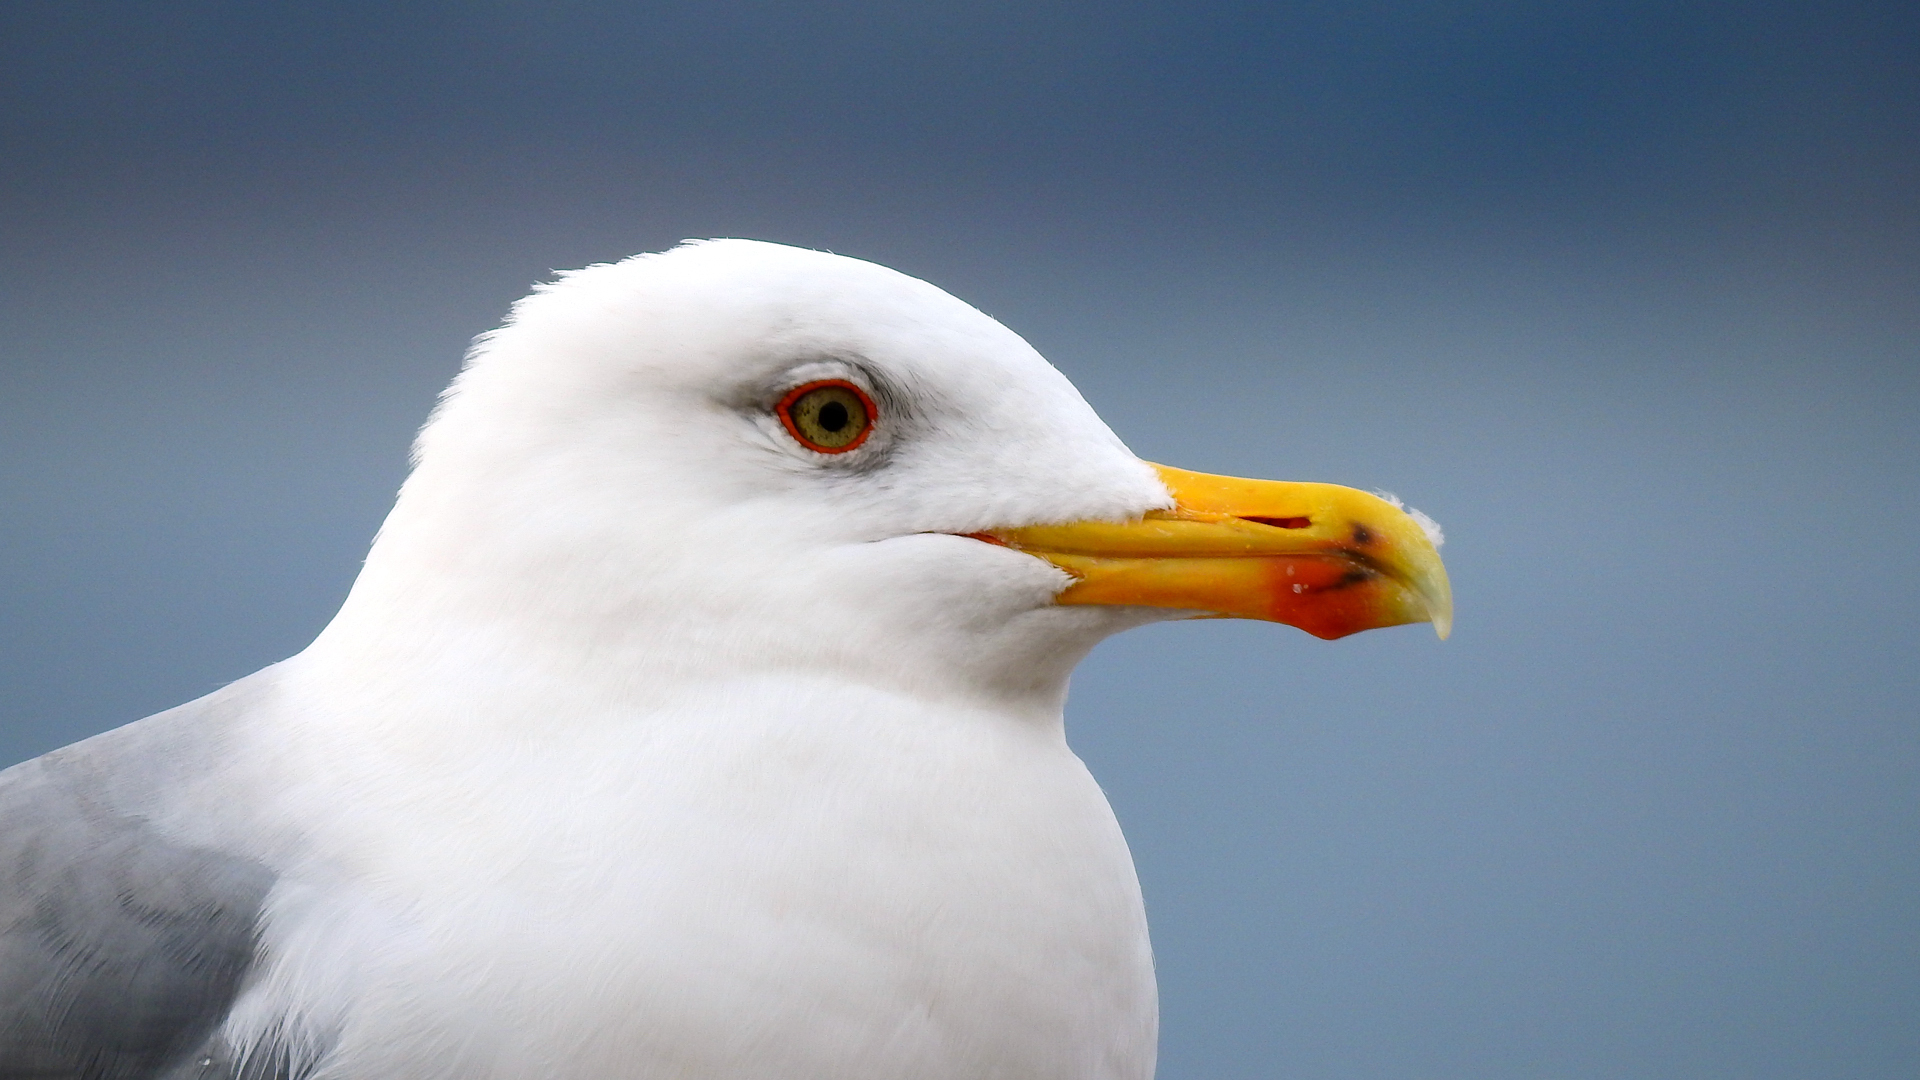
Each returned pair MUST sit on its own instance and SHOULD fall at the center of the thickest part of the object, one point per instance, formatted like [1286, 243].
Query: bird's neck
[436, 655]
[462, 614]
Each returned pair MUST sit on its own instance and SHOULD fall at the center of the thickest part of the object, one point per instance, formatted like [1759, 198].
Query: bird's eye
[831, 416]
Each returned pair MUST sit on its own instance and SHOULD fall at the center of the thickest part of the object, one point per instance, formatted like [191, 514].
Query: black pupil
[833, 416]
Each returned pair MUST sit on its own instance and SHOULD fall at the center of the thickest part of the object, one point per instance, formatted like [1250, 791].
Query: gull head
[739, 456]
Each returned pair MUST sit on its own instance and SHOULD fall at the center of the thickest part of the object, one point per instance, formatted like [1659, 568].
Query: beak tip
[1439, 605]
[1437, 594]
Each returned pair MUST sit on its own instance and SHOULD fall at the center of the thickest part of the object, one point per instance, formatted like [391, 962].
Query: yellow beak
[1330, 560]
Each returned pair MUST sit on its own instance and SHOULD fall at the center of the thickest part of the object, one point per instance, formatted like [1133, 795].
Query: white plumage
[653, 743]
[648, 735]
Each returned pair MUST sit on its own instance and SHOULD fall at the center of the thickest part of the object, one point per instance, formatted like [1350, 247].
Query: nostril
[1282, 523]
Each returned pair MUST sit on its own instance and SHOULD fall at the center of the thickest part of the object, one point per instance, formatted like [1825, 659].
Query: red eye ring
[828, 416]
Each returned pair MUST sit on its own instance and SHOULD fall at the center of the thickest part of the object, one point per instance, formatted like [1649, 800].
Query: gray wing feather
[121, 950]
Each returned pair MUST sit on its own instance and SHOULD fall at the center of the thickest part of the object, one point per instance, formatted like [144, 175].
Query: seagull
[697, 714]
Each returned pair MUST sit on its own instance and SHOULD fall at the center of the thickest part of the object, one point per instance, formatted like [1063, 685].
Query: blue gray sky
[1626, 294]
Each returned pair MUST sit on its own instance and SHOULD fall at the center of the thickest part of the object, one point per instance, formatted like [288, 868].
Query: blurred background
[1626, 294]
